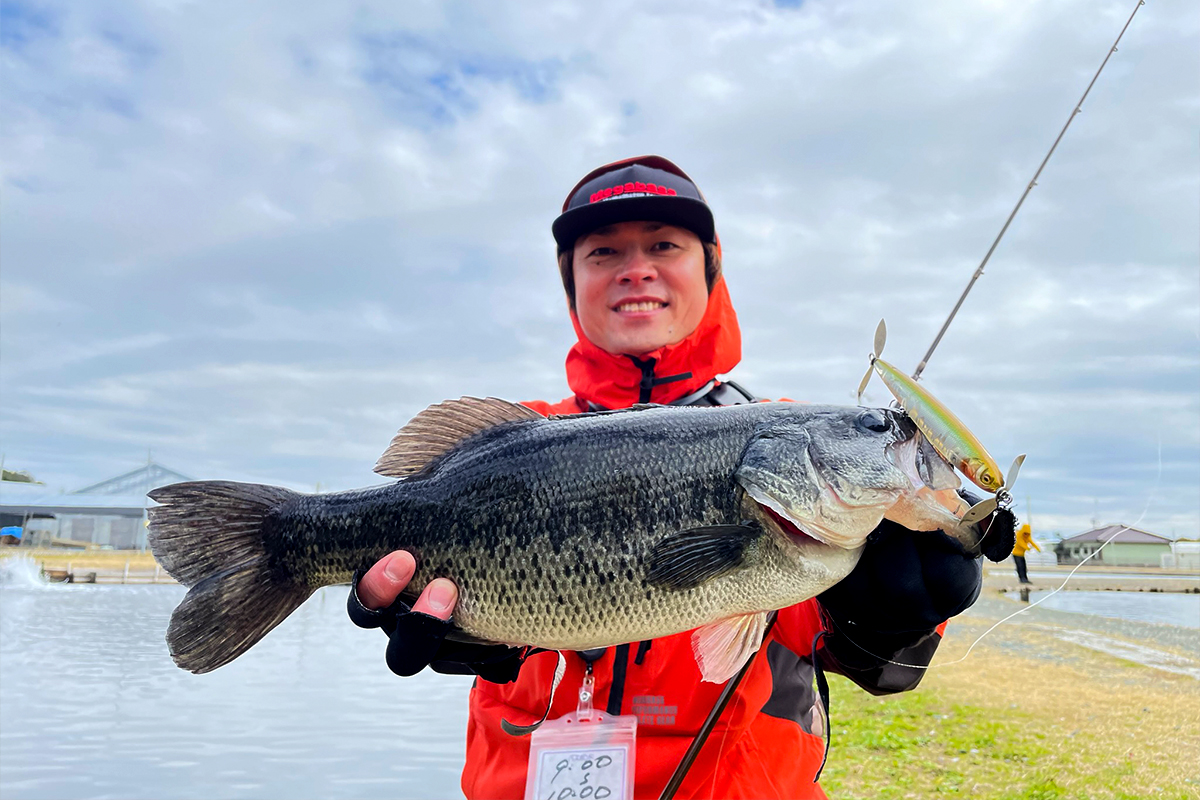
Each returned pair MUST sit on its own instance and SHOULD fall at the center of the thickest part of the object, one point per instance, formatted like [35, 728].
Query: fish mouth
[791, 529]
[933, 479]
[931, 501]
[918, 492]
[859, 519]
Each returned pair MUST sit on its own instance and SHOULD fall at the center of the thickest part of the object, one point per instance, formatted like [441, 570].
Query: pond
[91, 706]
[1169, 608]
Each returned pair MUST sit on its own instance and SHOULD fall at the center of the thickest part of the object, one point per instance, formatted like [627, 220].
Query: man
[1023, 543]
[641, 265]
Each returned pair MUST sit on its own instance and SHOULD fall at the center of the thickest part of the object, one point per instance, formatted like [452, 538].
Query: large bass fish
[569, 532]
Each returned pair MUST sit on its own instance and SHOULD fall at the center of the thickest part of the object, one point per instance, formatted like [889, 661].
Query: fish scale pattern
[548, 526]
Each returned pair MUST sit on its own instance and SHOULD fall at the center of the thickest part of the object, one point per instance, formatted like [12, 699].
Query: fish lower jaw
[803, 532]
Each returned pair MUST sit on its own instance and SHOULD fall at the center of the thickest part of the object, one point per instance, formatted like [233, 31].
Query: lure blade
[980, 510]
[880, 341]
[1014, 470]
[862, 387]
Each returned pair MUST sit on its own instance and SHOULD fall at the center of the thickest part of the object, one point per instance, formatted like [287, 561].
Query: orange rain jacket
[765, 744]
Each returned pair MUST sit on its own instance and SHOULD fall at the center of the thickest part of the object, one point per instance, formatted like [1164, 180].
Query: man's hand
[417, 635]
[379, 587]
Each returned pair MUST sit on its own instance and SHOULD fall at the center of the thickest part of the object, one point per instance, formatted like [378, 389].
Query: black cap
[641, 188]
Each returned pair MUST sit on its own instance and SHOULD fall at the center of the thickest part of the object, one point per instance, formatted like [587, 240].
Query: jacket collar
[618, 381]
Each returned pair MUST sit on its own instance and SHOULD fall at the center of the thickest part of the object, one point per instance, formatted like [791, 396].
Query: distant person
[1024, 542]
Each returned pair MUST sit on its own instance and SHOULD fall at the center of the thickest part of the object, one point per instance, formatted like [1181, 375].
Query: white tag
[583, 759]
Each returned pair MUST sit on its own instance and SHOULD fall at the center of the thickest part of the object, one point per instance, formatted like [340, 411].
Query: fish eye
[872, 419]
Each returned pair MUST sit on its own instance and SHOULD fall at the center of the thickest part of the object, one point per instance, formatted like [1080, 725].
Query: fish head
[836, 472]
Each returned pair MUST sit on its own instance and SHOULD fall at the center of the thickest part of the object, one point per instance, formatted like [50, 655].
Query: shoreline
[92, 566]
[997, 578]
[1051, 705]
[1002, 577]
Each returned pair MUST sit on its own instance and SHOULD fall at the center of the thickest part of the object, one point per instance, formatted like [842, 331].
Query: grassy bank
[1025, 716]
[82, 560]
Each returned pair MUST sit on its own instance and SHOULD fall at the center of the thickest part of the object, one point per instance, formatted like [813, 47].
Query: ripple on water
[92, 706]
[1167, 608]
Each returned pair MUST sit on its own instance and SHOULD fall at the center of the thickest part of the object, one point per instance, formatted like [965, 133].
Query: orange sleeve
[540, 406]
[796, 626]
[567, 405]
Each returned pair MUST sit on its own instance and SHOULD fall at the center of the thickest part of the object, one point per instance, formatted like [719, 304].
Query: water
[91, 705]
[1182, 610]
[20, 571]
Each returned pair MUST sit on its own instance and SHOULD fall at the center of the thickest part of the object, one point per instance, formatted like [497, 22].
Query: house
[1130, 547]
[111, 513]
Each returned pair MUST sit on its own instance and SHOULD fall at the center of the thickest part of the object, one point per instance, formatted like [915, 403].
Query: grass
[83, 560]
[1034, 722]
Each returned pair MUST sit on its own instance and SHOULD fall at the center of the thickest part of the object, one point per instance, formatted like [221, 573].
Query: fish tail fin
[211, 537]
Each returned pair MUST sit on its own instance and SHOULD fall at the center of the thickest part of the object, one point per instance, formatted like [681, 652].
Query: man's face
[639, 286]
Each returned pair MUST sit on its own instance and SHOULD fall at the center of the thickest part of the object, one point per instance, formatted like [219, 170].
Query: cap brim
[683, 212]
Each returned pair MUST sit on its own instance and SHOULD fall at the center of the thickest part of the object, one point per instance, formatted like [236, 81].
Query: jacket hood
[616, 381]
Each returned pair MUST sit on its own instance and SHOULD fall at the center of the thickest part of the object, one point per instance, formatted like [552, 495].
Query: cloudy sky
[255, 238]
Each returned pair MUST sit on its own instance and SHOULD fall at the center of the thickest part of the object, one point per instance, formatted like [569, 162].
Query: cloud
[256, 240]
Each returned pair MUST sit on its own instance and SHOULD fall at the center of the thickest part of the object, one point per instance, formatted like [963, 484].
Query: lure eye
[987, 479]
[872, 419]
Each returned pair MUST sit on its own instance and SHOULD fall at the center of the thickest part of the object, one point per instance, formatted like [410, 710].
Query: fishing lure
[946, 432]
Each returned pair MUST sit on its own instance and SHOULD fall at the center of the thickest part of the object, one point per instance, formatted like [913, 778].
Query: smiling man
[641, 265]
[639, 286]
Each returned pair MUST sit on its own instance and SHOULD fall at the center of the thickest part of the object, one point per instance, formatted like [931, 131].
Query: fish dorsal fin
[440, 428]
[610, 411]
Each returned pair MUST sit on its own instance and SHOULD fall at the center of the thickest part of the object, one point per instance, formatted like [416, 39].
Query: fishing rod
[1028, 188]
[710, 722]
[946, 324]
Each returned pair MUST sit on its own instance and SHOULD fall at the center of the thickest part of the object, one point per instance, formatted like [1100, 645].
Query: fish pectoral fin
[442, 427]
[722, 647]
[689, 558]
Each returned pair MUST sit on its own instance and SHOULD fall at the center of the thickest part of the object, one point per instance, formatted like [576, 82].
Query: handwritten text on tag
[593, 774]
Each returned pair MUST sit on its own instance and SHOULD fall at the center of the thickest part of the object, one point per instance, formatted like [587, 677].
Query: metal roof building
[111, 513]
[1129, 547]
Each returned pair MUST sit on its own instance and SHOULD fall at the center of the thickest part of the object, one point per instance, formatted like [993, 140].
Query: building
[1185, 554]
[111, 513]
[1130, 547]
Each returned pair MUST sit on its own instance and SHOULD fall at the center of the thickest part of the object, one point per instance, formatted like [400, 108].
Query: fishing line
[1031, 606]
[1032, 183]
[937, 339]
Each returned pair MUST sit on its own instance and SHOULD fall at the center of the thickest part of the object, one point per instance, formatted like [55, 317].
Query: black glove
[905, 582]
[908, 581]
[905, 585]
[417, 640]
